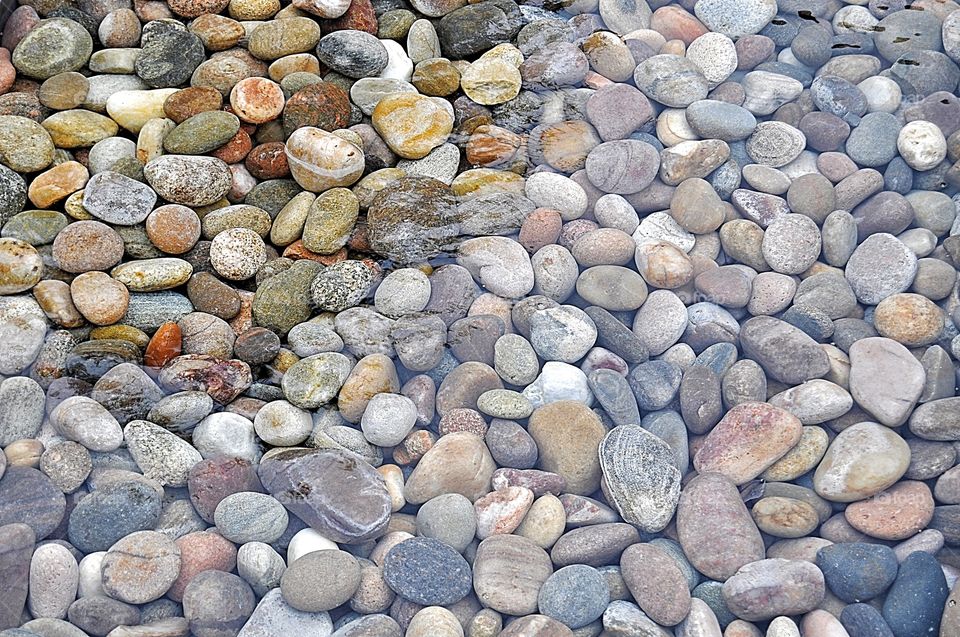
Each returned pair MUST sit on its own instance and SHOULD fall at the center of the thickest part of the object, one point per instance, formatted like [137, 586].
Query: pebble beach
[479, 318]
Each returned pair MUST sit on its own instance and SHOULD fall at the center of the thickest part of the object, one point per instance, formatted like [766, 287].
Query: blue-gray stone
[112, 512]
[915, 601]
[713, 119]
[833, 94]
[857, 571]
[863, 620]
[898, 177]
[719, 357]
[613, 393]
[574, 595]
[617, 337]
[428, 572]
[873, 142]
[655, 384]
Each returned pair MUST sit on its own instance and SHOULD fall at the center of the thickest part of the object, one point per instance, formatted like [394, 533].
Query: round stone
[320, 580]
[320, 160]
[141, 567]
[427, 571]
[862, 461]
[20, 266]
[237, 254]
[250, 517]
[622, 167]
[574, 595]
[54, 45]
[217, 604]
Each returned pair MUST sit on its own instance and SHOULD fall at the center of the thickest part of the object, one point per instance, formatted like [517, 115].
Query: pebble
[141, 567]
[509, 571]
[217, 603]
[879, 358]
[273, 258]
[324, 507]
[768, 588]
[320, 580]
[845, 475]
[715, 529]
[574, 595]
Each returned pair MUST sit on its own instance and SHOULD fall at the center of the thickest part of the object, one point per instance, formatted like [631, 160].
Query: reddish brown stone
[461, 419]
[492, 146]
[236, 149]
[322, 105]
[223, 380]
[540, 228]
[417, 443]
[213, 479]
[165, 345]
[296, 251]
[675, 23]
[359, 17]
[268, 161]
[900, 512]
[190, 101]
[750, 438]
[201, 551]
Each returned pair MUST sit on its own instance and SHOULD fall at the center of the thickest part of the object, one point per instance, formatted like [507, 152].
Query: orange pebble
[165, 345]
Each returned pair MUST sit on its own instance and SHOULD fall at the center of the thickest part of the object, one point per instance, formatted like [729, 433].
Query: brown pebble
[173, 228]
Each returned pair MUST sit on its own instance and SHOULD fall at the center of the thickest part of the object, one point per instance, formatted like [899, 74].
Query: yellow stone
[506, 52]
[133, 109]
[150, 140]
[413, 124]
[73, 206]
[57, 183]
[122, 333]
[491, 81]
[487, 180]
[79, 128]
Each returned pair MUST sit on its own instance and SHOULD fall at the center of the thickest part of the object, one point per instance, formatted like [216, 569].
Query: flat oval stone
[458, 463]
[862, 461]
[29, 497]
[508, 572]
[856, 571]
[715, 529]
[568, 436]
[141, 567]
[333, 491]
[656, 583]
[897, 513]
[747, 440]
[54, 45]
[428, 572]
[671, 80]
[768, 588]
[916, 599]
[647, 497]
[111, 512]
[189, 180]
